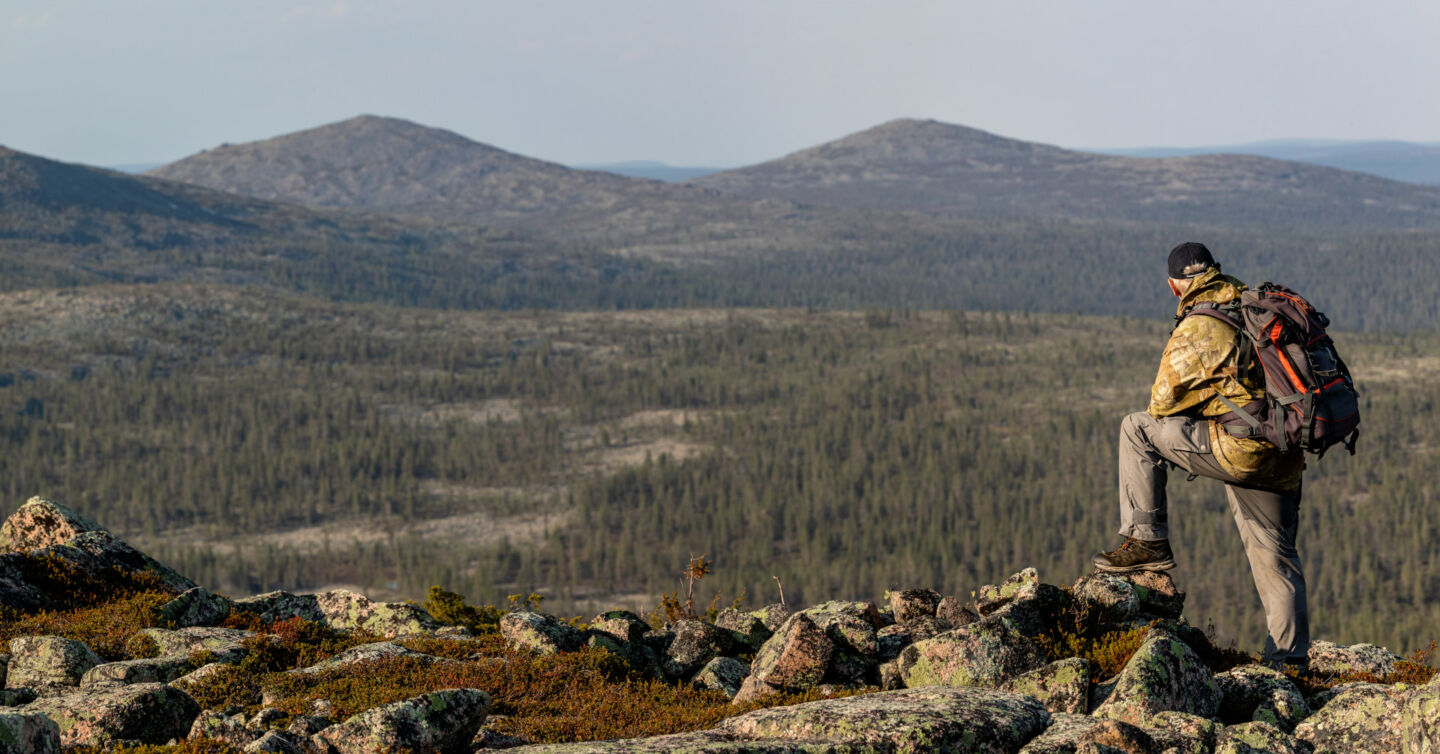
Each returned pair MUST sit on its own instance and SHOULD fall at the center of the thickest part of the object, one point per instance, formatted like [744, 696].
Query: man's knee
[1134, 428]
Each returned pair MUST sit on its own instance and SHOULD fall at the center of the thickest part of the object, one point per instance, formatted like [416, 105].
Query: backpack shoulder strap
[1229, 313]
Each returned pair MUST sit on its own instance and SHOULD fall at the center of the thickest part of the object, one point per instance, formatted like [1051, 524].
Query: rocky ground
[1107, 664]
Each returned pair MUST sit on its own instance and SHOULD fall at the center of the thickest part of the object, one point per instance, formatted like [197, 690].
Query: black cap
[1190, 259]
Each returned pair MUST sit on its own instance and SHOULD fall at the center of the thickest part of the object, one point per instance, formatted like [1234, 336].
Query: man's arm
[1193, 361]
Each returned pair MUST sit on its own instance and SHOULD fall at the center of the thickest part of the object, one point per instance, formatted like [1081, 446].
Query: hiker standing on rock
[1203, 377]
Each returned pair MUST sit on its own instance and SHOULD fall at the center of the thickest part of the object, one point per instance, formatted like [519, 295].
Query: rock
[146, 670]
[990, 597]
[305, 726]
[1028, 604]
[1333, 659]
[15, 591]
[1157, 593]
[772, 616]
[1258, 738]
[545, 634]
[1111, 599]
[621, 625]
[275, 742]
[795, 658]
[48, 664]
[4, 667]
[1115, 736]
[186, 682]
[910, 720]
[459, 633]
[747, 630]
[218, 726]
[1364, 717]
[1164, 674]
[351, 611]
[850, 625]
[1420, 720]
[380, 650]
[892, 640]
[40, 523]
[273, 607]
[985, 653]
[908, 604]
[196, 607]
[1063, 735]
[28, 733]
[696, 643]
[98, 552]
[151, 713]
[1183, 733]
[17, 697]
[265, 719]
[196, 639]
[725, 674]
[953, 614]
[702, 742]
[1257, 693]
[1062, 686]
[442, 721]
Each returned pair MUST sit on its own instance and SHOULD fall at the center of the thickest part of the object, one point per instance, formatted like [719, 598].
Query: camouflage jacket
[1201, 361]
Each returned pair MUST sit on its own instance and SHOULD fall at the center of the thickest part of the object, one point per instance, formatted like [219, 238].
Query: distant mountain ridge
[1397, 160]
[938, 167]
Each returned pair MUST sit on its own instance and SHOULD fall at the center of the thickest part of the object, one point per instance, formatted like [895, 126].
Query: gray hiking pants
[1267, 519]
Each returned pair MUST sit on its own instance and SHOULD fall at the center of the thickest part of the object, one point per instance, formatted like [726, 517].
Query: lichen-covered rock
[1157, 593]
[1258, 738]
[265, 719]
[380, 650]
[696, 642]
[145, 670]
[17, 697]
[1183, 733]
[701, 742]
[218, 726]
[223, 642]
[1420, 720]
[40, 523]
[24, 732]
[99, 552]
[747, 629]
[724, 674]
[305, 726]
[1062, 686]
[851, 625]
[196, 607]
[351, 611]
[1364, 717]
[795, 658]
[273, 607]
[15, 591]
[151, 713]
[545, 634]
[952, 613]
[1110, 598]
[1030, 606]
[274, 742]
[986, 653]
[1062, 736]
[908, 604]
[443, 721]
[1115, 737]
[991, 597]
[1258, 693]
[772, 616]
[910, 720]
[621, 625]
[48, 664]
[1163, 674]
[892, 640]
[1334, 659]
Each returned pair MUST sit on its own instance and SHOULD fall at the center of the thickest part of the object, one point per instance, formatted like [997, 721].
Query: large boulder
[151, 713]
[1364, 717]
[144, 670]
[723, 674]
[747, 630]
[443, 721]
[15, 591]
[1062, 686]
[795, 658]
[41, 523]
[195, 607]
[381, 650]
[910, 720]
[43, 527]
[1257, 693]
[985, 653]
[1062, 736]
[48, 664]
[1420, 720]
[908, 604]
[892, 640]
[696, 642]
[351, 611]
[1258, 738]
[1334, 659]
[1024, 601]
[545, 634]
[1183, 733]
[952, 613]
[223, 641]
[28, 733]
[621, 625]
[273, 607]
[1109, 598]
[772, 615]
[1163, 674]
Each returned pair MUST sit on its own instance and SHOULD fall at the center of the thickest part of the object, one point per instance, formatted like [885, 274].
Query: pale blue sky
[715, 83]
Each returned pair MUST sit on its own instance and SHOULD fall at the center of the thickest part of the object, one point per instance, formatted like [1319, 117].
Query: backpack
[1310, 399]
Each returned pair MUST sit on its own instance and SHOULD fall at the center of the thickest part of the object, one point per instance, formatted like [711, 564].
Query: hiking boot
[1136, 555]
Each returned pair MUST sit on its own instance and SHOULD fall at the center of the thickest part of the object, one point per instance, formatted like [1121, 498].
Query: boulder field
[936, 674]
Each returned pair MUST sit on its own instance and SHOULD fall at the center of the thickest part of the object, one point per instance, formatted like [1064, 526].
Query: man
[1204, 360]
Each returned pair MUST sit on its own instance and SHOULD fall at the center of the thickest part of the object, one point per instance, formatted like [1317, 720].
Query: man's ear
[1176, 288]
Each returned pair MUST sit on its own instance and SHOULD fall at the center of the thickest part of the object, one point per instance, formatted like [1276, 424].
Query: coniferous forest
[259, 440]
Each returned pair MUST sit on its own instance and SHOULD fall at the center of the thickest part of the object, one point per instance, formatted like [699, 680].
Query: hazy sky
[714, 83]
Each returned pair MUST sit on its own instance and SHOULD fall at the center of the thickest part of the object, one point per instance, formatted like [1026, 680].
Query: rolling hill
[943, 168]
[1397, 160]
